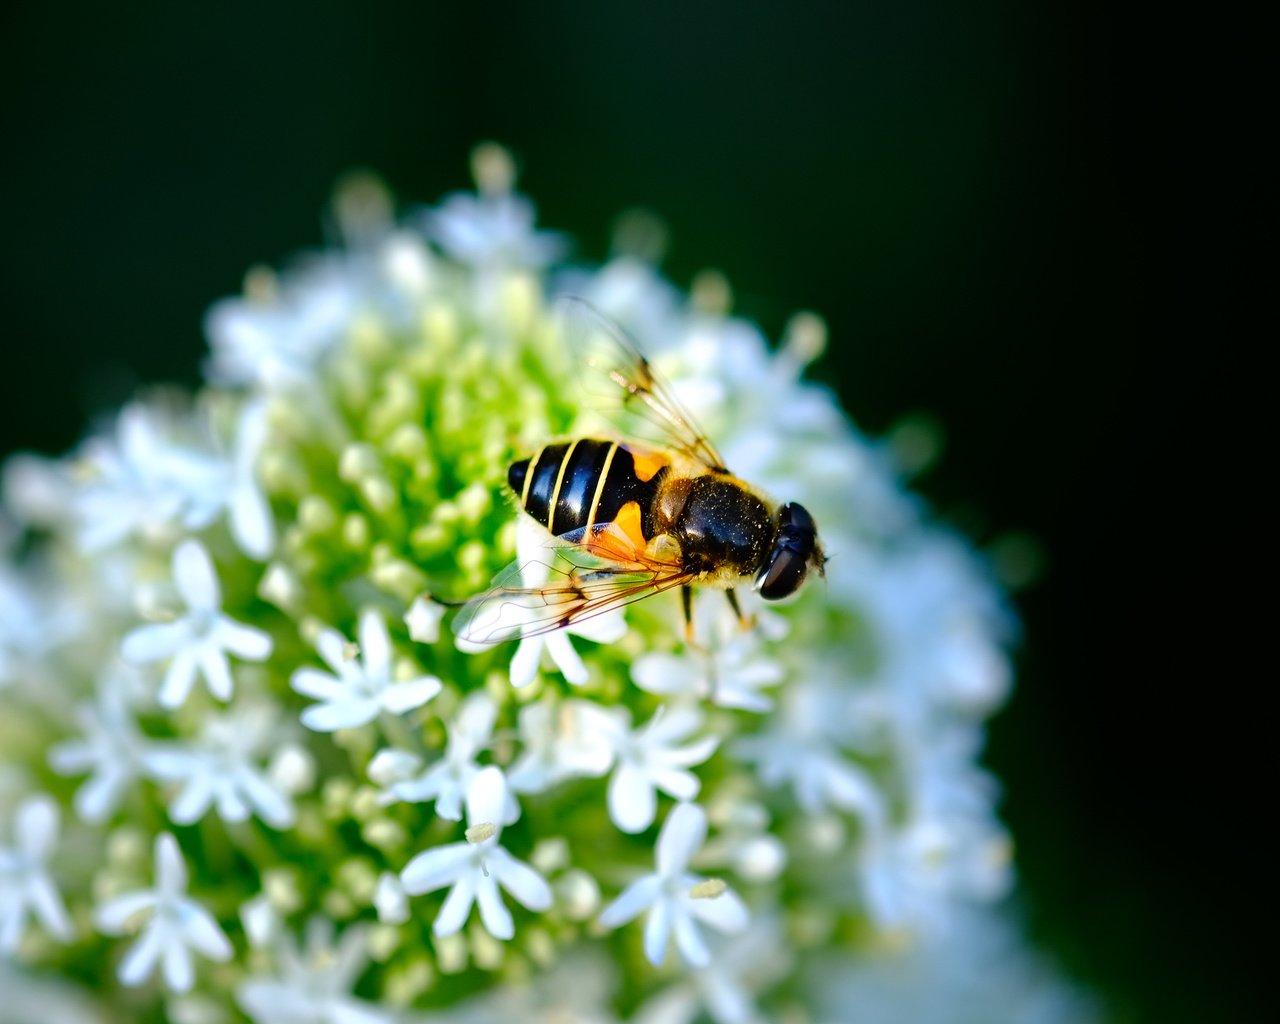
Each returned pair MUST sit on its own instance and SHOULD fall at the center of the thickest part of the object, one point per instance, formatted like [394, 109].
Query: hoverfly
[626, 520]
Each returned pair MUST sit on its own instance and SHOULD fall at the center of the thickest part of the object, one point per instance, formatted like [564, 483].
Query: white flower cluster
[229, 714]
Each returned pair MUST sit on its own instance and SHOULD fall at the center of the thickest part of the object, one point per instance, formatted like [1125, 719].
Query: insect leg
[686, 604]
[745, 621]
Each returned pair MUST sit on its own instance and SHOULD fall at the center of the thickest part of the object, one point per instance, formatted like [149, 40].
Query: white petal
[217, 673]
[272, 806]
[251, 522]
[671, 726]
[435, 868]
[179, 972]
[726, 912]
[193, 801]
[664, 674]
[37, 827]
[113, 916]
[493, 912]
[332, 647]
[243, 641]
[171, 869]
[194, 576]
[524, 663]
[423, 619]
[637, 897]
[311, 682]
[525, 884]
[140, 961]
[48, 905]
[567, 659]
[601, 629]
[154, 641]
[657, 930]
[178, 680]
[632, 802]
[457, 905]
[375, 645]
[401, 697]
[682, 835]
[676, 782]
[689, 941]
[486, 797]
[346, 715]
[201, 931]
[694, 753]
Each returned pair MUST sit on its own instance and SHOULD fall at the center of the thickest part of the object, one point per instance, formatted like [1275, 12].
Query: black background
[977, 197]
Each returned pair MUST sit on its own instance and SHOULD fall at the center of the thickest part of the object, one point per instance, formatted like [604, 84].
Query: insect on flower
[627, 519]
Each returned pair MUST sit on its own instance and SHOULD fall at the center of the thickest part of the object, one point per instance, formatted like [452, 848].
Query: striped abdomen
[572, 484]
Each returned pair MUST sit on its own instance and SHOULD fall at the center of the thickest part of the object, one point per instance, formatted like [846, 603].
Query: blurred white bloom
[200, 640]
[110, 748]
[649, 759]
[360, 688]
[26, 887]
[673, 896]
[799, 748]
[449, 780]
[977, 971]
[279, 342]
[176, 924]
[492, 231]
[390, 900]
[560, 740]
[423, 619]
[741, 967]
[223, 769]
[477, 867]
[313, 986]
[33, 623]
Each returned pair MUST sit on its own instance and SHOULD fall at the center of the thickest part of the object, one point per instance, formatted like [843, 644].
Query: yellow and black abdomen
[572, 484]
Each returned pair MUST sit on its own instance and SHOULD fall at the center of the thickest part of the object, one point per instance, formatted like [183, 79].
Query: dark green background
[969, 193]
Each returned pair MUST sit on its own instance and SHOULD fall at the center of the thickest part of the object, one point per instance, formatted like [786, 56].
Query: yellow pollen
[479, 833]
[709, 889]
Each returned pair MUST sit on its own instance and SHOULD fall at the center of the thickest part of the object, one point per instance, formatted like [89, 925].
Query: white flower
[741, 967]
[362, 688]
[491, 231]
[449, 780]
[477, 867]
[649, 759]
[423, 619]
[799, 748]
[177, 924]
[560, 741]
[313, 986]
[676, 899]
[279, 342]
[730, 674]
[222, 769]
[200, 640]
[25, 884]
[110, 748]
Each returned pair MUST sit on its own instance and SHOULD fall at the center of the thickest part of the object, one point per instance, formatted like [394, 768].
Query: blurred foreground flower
[809, 789]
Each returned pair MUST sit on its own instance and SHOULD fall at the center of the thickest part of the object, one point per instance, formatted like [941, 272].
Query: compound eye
[783, 576]
[796, 518]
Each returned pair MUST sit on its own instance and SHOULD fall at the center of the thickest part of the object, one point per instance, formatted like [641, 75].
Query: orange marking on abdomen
[647, 463]
[623, 539]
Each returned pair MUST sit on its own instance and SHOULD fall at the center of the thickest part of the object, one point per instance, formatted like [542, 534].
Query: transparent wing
[578, 577]
[620, 382]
